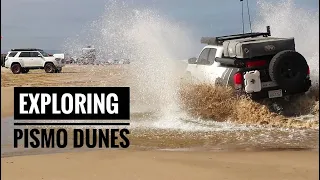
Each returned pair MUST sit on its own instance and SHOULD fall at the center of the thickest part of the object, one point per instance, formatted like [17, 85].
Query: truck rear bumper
[264, 93]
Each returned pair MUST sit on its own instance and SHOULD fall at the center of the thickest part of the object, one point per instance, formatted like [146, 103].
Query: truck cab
[205, 69]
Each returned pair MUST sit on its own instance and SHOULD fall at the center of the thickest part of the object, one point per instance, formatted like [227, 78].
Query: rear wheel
[49, 68]
[16, 68]
[289, 70]
[58, 70]
[25, 70]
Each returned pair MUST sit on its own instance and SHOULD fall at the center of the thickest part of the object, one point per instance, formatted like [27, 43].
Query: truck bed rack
[219, 40]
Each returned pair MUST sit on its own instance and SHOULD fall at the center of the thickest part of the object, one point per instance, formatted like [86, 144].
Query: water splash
[153, 44]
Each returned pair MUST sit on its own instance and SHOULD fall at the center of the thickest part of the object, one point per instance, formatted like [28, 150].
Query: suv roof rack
[27, 49]
[219, 40]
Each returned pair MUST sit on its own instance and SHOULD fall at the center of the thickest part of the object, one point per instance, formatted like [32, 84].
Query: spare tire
[289, 69]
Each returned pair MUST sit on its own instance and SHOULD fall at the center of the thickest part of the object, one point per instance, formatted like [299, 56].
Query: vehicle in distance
[255, 64]
[88, 56]
[23, 60]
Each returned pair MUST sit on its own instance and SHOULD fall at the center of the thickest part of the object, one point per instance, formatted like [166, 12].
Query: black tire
[49, 68]
[58, 70]
[289, 69]
[16, 69]
[25, 70]
[3, 61]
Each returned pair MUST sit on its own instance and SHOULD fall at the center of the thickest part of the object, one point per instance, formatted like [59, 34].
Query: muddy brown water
[184, 135]
[152, 129]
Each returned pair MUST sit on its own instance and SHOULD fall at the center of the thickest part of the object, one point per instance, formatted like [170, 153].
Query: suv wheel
[58, 70]
[16, 68]
[25, 70]
[49, 68]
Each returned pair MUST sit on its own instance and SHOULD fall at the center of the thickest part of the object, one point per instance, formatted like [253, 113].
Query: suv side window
[34, 54]
[212, 56]
[12, 54]
[24, 54]
[203, 58]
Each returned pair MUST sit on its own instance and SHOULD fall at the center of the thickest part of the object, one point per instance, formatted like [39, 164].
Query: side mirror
[192, 60]
[39, 55]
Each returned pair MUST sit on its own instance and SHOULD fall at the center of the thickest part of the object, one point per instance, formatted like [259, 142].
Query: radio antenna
[242, 17]
[249, 15]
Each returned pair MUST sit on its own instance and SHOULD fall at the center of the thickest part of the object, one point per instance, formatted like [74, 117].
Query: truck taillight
[308, 73]
[238, 80]
[256, 63]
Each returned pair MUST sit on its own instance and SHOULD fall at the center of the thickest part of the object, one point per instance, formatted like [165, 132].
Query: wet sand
[145, 165]
[6, 101]
[197, 153]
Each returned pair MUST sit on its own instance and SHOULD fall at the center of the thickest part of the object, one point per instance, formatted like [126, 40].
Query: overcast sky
[47, 23]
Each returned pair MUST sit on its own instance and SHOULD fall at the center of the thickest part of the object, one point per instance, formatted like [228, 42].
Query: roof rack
[221, 39]
[27, 49]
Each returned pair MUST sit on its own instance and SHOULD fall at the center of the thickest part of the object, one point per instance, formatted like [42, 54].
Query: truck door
[36, 59]
[24, 59]
[202, 61]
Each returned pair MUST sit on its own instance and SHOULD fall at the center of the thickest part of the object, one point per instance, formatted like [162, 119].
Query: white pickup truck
[254, 64]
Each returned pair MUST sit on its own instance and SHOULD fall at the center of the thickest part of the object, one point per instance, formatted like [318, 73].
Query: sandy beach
[143, 163]
[6, 101]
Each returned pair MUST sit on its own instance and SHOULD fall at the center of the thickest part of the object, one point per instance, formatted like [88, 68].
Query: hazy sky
[47, 23]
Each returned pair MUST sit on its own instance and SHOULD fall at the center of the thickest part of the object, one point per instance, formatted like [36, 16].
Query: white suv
[22, 60]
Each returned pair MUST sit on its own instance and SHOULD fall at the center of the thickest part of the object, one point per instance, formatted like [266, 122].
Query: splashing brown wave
[221, 104]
